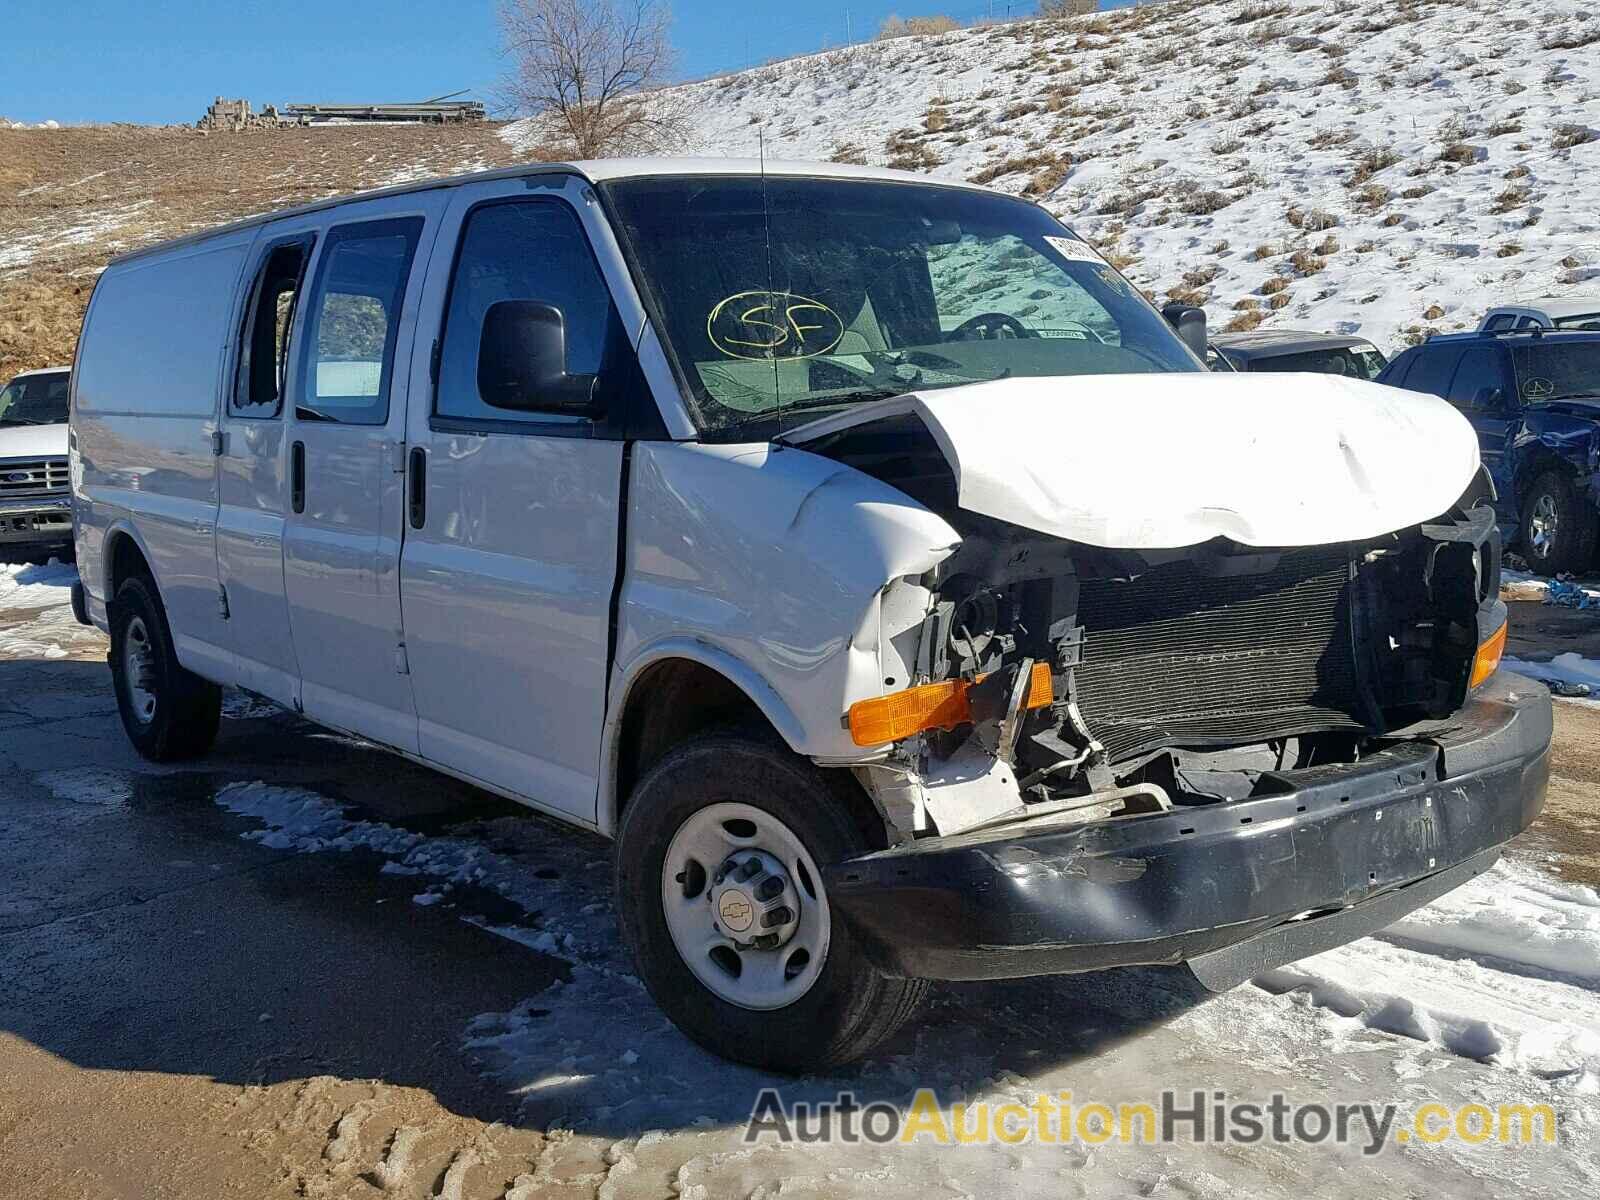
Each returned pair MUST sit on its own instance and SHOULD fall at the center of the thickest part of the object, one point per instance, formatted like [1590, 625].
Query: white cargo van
[862, 552]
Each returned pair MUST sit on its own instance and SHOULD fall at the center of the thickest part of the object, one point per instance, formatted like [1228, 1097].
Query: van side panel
[144, 411]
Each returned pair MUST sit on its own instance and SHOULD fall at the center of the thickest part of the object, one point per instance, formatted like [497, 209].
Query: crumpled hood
[1160, 461]
[34, 441]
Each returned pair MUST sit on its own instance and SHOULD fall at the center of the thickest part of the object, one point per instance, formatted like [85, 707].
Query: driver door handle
[417, 487]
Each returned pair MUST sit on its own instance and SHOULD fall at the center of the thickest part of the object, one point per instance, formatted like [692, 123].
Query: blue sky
[164, 60]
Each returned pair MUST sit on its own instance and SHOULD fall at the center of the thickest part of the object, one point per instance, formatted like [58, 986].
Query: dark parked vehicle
[1293, 350]
[1534, 398]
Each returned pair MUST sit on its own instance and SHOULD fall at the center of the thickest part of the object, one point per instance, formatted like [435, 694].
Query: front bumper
[1231, 889]
[36, 523]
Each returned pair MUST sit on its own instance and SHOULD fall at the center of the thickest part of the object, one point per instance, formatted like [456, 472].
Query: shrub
[1306, 263]
[1514, 197]
[1245, 321]
[1274, 285]
[895, 27]
[1262, 252]
[1369, 162]
[1509, 250]
[1568, 136]
[1281, 300]
[1328, 245]
[1459, 153]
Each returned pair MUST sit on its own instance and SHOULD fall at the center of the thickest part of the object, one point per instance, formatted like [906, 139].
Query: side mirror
[1489, 399]
[522, 361]
[1190, 324]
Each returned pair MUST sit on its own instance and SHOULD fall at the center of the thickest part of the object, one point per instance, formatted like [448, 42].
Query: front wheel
[1558, 526]
[169, 713]
[723, 906]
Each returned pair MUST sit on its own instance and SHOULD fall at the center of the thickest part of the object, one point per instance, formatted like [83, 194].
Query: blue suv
[1534, 398]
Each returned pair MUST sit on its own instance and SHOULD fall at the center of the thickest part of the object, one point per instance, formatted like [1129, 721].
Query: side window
[1503, 321]
[264, 344]
[1479, 368]
[1528, 323]
[354, 320]
[1433, 370]
[531, 250]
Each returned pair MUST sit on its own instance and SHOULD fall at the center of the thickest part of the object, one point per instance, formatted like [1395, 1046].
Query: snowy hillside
[1375, 166]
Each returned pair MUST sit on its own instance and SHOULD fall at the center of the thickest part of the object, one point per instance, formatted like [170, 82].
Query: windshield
[782, 298]
[1358, 362]
[35, 400]
[1557, 370]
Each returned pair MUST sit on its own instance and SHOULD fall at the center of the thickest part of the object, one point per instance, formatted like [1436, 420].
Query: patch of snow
[1412, 156]
[1489, 995]
[1568, 674]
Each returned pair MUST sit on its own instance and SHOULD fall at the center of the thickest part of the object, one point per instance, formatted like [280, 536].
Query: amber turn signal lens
[1487, 661]
[931, 706]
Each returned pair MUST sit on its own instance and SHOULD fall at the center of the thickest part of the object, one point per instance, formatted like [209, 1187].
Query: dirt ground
[70, 199]
[186, 1014]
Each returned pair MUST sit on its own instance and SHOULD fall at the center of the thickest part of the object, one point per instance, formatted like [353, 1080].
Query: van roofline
[40, 371]
[593, 171]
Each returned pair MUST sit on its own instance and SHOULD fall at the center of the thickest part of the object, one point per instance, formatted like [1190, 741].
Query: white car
[785, 524]
[35, 499]
[1543, 314]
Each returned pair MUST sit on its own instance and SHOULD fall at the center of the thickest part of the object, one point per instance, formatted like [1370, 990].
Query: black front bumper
[1231, 889]
[46, 523]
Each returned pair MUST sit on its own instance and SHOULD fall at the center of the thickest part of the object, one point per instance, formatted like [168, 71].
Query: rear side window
[354, 321]
[1479, 368]
[1503, 321]
[524, 250]
[1433, 370]
[264, 346]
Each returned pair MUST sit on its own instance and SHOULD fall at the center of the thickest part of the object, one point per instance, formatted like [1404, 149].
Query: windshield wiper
[23, 421]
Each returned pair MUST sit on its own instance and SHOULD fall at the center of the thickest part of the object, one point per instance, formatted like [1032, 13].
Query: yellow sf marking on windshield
[808, 325]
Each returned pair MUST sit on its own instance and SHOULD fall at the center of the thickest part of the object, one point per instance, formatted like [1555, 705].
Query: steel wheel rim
[757, 979]
[1543, 524]
[138, 669]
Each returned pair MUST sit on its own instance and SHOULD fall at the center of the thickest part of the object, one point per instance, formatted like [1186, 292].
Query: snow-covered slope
[1375, 166]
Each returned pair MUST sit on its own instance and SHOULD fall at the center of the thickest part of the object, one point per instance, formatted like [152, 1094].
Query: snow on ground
[1488, 995]
[1367, 166]
[36, 618]
[1570, 674]
[1491, 995]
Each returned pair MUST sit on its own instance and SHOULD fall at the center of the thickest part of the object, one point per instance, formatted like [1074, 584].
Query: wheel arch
[124, 554]
[671, 692]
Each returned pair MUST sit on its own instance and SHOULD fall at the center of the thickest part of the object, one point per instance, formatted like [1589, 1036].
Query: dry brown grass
[1281, 300]
[1245, 321]
[169, 181]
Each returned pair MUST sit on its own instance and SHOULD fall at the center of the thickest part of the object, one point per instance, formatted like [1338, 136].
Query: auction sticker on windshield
[1075, 250]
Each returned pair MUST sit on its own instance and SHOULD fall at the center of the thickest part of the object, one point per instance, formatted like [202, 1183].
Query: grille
[1177, 656]
[32, 477]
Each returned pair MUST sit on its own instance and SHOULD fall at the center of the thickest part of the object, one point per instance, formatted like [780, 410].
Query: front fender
[774, 562]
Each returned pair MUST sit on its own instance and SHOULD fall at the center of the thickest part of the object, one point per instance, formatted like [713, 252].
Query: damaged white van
[863, 553]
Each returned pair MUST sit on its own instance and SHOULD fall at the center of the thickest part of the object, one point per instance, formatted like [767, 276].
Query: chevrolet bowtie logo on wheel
[736, 912]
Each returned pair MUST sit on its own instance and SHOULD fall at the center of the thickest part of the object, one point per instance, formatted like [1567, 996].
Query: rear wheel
[169, 713]
[1558, 526]
[723, 905]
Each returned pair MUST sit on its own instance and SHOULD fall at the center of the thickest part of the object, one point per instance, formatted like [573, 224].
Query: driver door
[510, 554]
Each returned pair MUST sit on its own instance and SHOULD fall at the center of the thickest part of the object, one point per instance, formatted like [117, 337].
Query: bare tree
[583, 66]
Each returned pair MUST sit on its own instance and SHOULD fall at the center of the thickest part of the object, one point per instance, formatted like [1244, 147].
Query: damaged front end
[1079, 682]
[1112, 756]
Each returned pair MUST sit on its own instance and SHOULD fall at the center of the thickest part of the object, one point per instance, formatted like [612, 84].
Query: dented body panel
[1188, 885]
[1145, 462]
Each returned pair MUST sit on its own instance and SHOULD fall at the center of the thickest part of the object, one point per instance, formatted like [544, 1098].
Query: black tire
[1558, 526]
[851, 1006]
[179, 716]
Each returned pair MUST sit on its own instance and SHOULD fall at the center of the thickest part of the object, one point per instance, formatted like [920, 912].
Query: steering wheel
[989, 326]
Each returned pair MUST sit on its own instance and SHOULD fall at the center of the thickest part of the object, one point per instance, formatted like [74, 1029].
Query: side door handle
[417, 487]
[297, 477]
